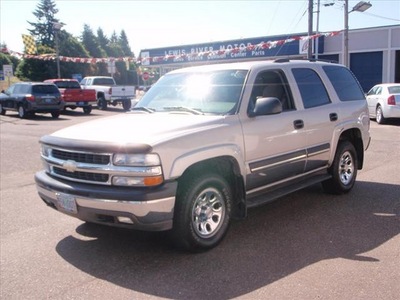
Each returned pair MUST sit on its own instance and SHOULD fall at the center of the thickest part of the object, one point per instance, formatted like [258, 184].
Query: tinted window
[103, 81]
[394, 89]
[45, 89]
[311, 88]
[67, 84]
[344, 82]
[272, 83]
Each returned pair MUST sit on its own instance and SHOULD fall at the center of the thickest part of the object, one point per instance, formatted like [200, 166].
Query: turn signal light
[30, 97]
[391, 100]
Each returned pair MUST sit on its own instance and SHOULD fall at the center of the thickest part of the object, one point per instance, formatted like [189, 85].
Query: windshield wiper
[143, 108]
[186, 109]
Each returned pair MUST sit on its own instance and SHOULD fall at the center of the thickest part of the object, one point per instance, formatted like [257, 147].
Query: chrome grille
[100, 159]
[84, 176]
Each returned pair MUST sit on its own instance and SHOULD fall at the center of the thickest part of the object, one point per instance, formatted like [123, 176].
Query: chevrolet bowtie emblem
[70, 166]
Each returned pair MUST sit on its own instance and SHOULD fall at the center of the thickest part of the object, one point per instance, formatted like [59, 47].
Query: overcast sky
[155, 24]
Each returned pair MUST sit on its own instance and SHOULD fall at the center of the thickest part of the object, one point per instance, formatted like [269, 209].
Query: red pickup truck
[74, 96]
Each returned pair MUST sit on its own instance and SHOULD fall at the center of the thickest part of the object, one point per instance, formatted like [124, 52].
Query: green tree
[124, 44]
[33, 69]
[92, 45]
[91, 42]
[71, 47]
[43, 28]
[104, 42]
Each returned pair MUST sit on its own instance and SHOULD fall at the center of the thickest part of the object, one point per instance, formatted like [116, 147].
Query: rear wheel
[55, 114]
[343, 170]
[22, 112]
[202, 212]
[2, 110]
[126, 104]
[87, 110]
[380, 119]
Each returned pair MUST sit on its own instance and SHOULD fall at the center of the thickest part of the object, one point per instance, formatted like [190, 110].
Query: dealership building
[374, 53]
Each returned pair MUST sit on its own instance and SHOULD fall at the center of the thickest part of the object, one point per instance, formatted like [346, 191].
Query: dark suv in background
[28, 98]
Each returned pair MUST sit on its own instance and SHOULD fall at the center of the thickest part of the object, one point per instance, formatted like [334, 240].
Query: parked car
[206, 143]
[108, 92]
[74, 96]
[28, 98]
[384, 102]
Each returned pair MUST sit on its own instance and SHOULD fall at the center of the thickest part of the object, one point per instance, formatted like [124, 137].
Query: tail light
[30, 97]
[109, 91]
[391, 100]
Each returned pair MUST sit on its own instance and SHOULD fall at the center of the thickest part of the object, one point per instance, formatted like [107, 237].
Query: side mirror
[266, 106]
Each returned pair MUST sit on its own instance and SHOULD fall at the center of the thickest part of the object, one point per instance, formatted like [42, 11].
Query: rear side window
[44, 89]
[345, 83]
[311, 88]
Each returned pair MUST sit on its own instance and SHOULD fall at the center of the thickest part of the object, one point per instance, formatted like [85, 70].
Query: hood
[142, 128]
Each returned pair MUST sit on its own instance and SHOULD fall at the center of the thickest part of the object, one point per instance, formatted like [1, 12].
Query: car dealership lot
[306, 245]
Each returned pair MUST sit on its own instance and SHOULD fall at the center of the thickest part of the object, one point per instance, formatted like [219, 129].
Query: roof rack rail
[281, 60]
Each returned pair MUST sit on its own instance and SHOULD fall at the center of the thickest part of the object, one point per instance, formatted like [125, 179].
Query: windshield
[215, 92]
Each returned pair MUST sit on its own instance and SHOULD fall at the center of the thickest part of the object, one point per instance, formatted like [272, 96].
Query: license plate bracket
[67, 203]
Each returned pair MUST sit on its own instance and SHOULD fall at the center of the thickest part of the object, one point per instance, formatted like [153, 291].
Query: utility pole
[310, 28]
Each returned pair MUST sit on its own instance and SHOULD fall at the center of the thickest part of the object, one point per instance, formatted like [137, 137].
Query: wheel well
[100, 94]
[228, 168]
[354, 137]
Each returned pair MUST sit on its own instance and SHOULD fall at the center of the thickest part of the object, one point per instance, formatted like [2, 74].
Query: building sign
[261, 47]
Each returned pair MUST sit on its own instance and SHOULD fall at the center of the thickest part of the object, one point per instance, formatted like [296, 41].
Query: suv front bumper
[142, 208]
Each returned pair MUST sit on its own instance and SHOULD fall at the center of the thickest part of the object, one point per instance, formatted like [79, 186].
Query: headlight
[146, 170]
[45, 150]
[136, 160]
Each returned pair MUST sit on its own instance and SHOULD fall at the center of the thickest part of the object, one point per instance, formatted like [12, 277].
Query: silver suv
[206, 143]
[28, 98]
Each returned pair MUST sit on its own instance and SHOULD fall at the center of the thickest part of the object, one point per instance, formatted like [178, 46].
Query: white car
[384, 102]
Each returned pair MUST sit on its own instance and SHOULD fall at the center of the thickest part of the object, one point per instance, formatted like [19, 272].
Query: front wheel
[202, 212]
[101, 103]
[380, 119]
[343, 170]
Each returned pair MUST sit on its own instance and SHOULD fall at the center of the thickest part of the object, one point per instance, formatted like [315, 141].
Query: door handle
[298, 124]
[333, 117]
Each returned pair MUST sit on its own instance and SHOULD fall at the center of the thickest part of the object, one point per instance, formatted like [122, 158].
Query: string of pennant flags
[90, 60]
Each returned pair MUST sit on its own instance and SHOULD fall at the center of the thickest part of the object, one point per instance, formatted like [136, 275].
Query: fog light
[125, 220]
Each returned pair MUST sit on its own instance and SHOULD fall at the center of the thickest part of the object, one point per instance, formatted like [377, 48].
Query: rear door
[319, 116]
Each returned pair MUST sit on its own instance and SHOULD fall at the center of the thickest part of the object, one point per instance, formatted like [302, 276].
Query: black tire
[101, 103]
[202, 213]
[55, 114]
[22, 112]
[126, 104]
[87, 110]
[2, 110]
[343, 170]
[380, 119]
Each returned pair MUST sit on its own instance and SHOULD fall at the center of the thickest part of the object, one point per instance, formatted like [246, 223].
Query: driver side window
[272, 83]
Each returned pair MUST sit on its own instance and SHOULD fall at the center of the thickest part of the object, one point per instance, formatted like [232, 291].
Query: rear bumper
[392, 111]
[34, 107]
[142, 209]
[80, 103]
